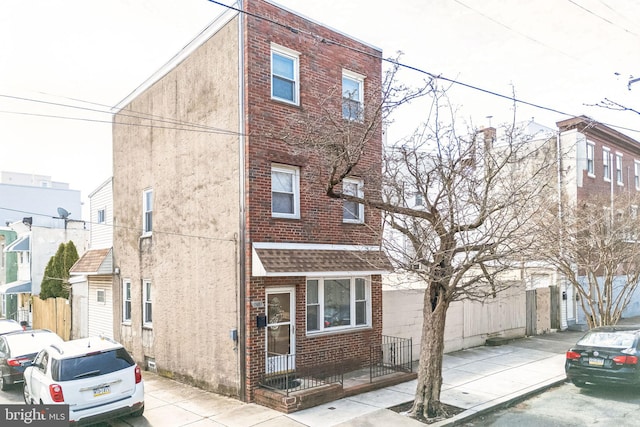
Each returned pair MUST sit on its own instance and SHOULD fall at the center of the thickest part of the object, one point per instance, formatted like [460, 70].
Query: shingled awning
[95, 261]
[297, 259]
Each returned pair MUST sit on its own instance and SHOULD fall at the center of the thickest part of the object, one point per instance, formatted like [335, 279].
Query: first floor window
[338, 303]
[126, 300]
[147, 304]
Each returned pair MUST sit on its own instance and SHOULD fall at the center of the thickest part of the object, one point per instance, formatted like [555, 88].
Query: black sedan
[605, 355]
[17, 351]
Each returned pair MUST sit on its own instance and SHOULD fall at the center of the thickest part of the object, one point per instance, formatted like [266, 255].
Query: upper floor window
[352, 211]
[590, 158]
[606, 164]
[636, 169]
[147, 317]
[101, 296]
[338, 303]
[619, 169]
[352, 95]
[147, 211]
[285, 75]
[101, 216]
[285, 191]
[126, 301]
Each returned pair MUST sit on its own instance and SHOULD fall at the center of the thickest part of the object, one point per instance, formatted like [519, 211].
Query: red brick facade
[321, 218]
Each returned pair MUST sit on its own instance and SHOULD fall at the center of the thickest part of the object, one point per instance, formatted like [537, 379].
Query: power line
[602, 17]
[124, 227]
[84, 119]
[141, 117]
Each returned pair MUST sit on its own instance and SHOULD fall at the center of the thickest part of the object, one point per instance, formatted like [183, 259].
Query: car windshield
[29, 343]
[92, 364]
[608, 339]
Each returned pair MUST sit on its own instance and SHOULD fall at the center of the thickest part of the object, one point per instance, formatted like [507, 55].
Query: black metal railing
[287, 373]
[392, 355]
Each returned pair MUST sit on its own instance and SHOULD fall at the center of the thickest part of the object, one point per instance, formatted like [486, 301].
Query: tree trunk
[427, 399]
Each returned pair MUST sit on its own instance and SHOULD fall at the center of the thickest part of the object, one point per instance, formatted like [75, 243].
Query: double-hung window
[606, 164]
[147, 317]
[147, 211]
[352, 95]
[590, 158]
[619, 169]
[352, 211]
[285, 191]
[285, 74]
[636, 169]
[338, 303]
[102, 216]
[126, 301]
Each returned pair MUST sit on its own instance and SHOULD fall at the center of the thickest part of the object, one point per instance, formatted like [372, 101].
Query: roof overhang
[21, 244]
[94, 262]
[17, 287]
[300, 259]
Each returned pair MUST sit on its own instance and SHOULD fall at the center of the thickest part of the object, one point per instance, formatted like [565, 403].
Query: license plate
[596, 361]
[101, 391]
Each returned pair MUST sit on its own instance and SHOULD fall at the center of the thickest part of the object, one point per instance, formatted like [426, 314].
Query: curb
[489, 407]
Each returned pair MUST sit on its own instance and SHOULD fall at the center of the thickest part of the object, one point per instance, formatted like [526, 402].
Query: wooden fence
[53, 314]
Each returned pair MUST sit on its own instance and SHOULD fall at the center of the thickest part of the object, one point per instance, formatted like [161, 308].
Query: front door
[280, 330]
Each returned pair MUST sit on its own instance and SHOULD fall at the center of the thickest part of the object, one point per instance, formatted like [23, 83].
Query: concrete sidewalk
[477, 380]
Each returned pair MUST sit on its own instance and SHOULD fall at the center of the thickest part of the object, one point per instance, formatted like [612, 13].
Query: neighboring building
[8, 273]
[599, 161]
[33, 248]
[36, 197]
[34, 230]
[234, 266]
[92, 274]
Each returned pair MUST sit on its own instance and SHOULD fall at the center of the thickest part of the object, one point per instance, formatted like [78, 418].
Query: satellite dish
[62, 213]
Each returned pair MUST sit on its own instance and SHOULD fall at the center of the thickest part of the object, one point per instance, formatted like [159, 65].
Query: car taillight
[17, 362]
[626, 360]
[138, 374]
[573, 355]
[55, 390]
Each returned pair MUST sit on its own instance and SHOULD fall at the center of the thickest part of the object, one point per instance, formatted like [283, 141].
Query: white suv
[96, 377]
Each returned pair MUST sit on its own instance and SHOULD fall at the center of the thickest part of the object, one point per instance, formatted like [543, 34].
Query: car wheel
[138, 413]
[25, 395]
[579, 383]
[4, 386]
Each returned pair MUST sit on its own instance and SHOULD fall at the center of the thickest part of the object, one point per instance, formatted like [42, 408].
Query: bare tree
[596, 246]
[477, 194]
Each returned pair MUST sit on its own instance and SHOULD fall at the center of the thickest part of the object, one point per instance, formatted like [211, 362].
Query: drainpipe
[563, 322]
[242, 333]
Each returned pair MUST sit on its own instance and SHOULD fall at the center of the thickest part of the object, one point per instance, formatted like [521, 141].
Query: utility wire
[155, 231]
[84, 119]
[162, 120]
[602, 17]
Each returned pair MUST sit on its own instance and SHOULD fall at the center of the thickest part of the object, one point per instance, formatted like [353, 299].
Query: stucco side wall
[192, 256]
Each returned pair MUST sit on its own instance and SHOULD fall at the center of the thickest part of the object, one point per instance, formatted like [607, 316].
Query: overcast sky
[559, 54]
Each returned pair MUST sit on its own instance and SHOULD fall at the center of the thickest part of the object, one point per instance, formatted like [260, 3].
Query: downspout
[242, 348]
[563, 322]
